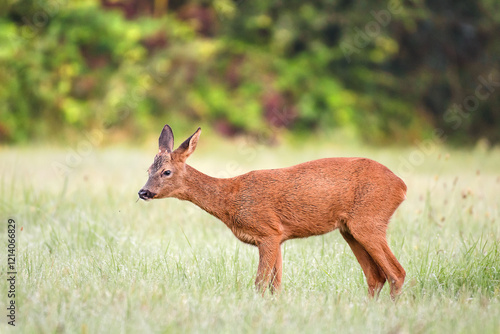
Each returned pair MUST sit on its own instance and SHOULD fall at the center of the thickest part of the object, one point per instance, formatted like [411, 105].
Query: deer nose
[146, 194]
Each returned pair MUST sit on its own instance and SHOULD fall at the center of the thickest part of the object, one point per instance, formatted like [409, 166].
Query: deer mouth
[146, 194]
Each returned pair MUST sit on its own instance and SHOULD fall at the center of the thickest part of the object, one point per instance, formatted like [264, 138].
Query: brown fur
[265, 208]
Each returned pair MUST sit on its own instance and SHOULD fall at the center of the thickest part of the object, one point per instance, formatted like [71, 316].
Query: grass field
[93, 260]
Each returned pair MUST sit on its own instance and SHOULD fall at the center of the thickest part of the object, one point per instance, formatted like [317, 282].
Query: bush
[381, 71]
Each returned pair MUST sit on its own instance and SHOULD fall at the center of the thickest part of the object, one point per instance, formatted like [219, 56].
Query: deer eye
[167, 173]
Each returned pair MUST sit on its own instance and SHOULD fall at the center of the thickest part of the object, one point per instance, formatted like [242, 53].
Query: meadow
[93, 259]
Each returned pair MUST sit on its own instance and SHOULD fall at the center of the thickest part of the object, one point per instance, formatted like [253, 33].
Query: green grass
[93, 260]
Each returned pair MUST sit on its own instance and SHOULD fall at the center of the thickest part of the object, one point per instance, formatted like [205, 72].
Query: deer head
[168, 172]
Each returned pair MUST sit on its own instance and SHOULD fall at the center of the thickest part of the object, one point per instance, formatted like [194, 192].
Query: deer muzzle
[146, 194]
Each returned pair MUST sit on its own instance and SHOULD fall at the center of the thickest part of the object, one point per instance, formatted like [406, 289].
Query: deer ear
[189, 145]
[166, 141]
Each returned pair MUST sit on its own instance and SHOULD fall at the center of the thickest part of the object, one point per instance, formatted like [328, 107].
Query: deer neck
[209, 193]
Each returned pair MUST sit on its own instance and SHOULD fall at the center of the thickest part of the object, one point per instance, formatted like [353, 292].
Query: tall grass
[93, 260]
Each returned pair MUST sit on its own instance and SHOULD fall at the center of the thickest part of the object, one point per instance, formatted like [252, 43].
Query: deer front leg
[276, 273]
[269, 254]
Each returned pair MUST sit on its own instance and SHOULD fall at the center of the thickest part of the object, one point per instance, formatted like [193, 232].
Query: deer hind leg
[269, 255]
[375, 277]
[397, 283]
[372, 238]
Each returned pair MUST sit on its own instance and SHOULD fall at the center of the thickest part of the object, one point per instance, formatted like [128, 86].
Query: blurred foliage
[376, 70]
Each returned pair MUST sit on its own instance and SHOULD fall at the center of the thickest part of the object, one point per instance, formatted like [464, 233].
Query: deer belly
[244, 236]
[304, 229]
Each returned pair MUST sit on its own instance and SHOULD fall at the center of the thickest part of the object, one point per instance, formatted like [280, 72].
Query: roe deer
[265, 208]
